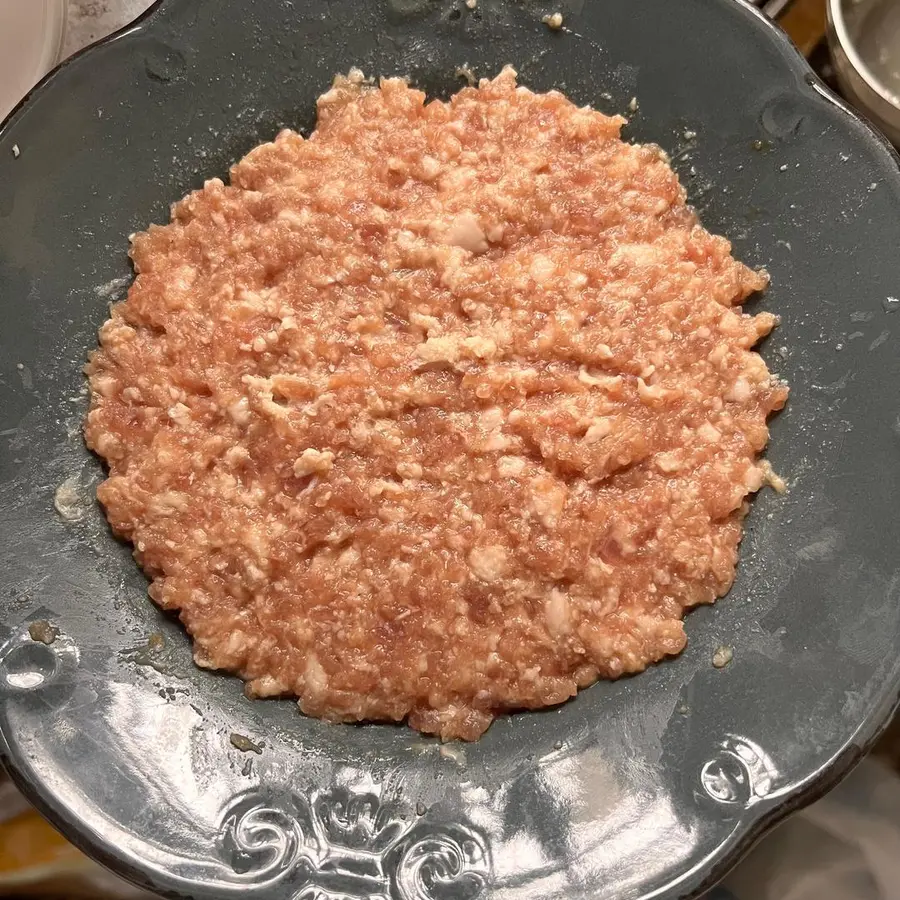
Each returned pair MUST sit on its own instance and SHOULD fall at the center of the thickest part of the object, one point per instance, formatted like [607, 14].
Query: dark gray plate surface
[646, 787]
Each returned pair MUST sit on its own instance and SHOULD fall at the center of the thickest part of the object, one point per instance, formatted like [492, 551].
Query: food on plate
[446, 410]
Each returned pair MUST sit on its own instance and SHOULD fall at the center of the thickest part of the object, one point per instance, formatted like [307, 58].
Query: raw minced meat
[447, 410]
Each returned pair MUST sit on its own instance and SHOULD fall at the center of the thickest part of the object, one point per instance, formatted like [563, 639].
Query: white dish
[31, 36]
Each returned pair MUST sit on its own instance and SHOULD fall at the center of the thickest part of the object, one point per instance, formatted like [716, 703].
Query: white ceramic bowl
[31, 37]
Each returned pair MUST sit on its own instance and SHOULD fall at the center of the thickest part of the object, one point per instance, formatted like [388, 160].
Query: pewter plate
[647, 787]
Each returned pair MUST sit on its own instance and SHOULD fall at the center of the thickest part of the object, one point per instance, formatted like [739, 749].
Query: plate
[647, 787]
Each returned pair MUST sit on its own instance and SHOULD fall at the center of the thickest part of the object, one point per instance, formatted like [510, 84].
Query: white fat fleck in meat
[411, 470]
[542, 268]
[180, 414]
[466, 232]
[558, 613]
[547, 500]
[489, 563]
[239, 411]
[740, 391]
[598, 429]
[510, 466]
[313, 461]
[315, 677]
[709, 433]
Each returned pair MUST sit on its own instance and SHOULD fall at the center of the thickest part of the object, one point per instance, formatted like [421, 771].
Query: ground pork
[447, 410]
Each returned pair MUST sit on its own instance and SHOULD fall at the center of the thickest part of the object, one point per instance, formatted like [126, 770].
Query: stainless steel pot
[864, 39]
[864, 36]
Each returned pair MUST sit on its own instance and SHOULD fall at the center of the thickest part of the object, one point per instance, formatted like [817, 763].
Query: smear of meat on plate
[449, 409]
